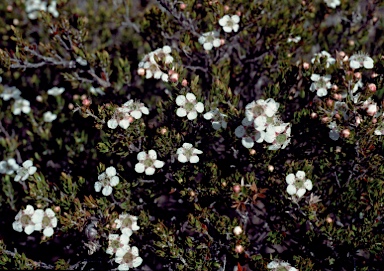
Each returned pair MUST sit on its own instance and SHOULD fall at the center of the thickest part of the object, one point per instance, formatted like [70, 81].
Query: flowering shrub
[191, 135]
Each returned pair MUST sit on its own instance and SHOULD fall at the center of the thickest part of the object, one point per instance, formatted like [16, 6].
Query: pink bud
[371, 110]
[335, 87]
[374, 75]
[342, 53]
[358, 75]
[329, 102]
[236, 188]
[86, 102]
[252, 152]
[237, 230]
[374, 120]
[141, 71]
[222, 41]
[239, 249]
[324, 119]
[372, 87]
[183, 6]
[358, 120]
[337, 115]
[306, 65]
[314, 115]
[174, 77]
[184, 83]
[226, 8]
[270, 168]
[346, 133]
[238, 13]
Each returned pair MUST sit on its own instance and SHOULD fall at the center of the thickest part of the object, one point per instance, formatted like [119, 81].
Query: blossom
[359, 60]
[230, 23]
[248, 133]
[210, 40]
[21, 105]
[297, 184]
[44, 220]
[52, 9]
[148, 162]
[153, 63]
[320, 84]
[9, 166]
[120, 118]
[10, 93]
[295, 39]
[81, 61]
[135, 109]
[127, 223]
[188, 106]
[55, 91]
[128, 257]
[32, 7]
[216, 118]
[323, 54]
[107, 180]
[278, 135]
[187, 153]
[115, 242]
[261, 107]
[332, 3]
[49, 116]
[96, 91]
[25, 171]
[23, 219]
[278, 265]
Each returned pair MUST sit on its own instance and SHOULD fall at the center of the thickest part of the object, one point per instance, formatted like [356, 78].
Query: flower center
[128, 257]
[115, 244]
[281, 138]
[46, 221]
[189, 106]
[148, 162]
[25, 219]
[127, 223]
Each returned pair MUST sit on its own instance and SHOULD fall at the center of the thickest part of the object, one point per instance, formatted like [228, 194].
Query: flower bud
[183, 6]
[222, 41]
[306, 65]
[236, 188]
[358, 120]
[329, 102]
[252, 152]
[174, 77]
[329, 220]
[184, 83]
[371, 110]
[325, 119]
[237, 230]
[337, 115]
[314, 115]
[335, 87]
[141, 71]
[226, 8]
[239, 249]
[358, 75]
[372, 87]
[39, 98]
[342, 53]
[346, 133]
[270, 168]
[374, 120]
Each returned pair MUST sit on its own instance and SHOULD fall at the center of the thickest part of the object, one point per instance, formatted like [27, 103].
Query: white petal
[196, 151]
[209, 115]
[315, 77]
[354, 64]
[37, 217]
[300, 175]
[139, 168]
[301, 192]
[216, 42]
[181, 112]
[150, 171]
[180, 100]
[182, 158]
[137, 261]
[152, 154]
[235, 18]
[136, 114]
[208, 46]
[98, 186]
[48, 232]
[114, 181]
[107, 190]
[158, 164]
[17, 226]
[291, 189]
[141, 156]
[124, 123]
[290, 179]
[190, 97]
[199, 107]
[144, 110]
[227, 29]
[192, 115]
[110, 171]
[368, 63]
[235, 28]
[247, 142]
[29, 210]
[29, 229]
[194, 159]
[308, 185]
[32, 170]
[27, 164]
[321, 92]
[187, 145]
[240, 131]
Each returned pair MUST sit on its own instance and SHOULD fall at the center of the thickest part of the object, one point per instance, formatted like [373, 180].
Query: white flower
[320, 84]
[32, 7]
[278, 265]
[55, 91]
[21, 105]
[24, 220]
[323, 54]
[52, 9]
[216, 118]
[359, 60]
[49, 116]
[153, 63]
[248, 134]
[115, 242]
[210, 40]
[44, 220]
[332, 3]
[230, 23]
[295, 39]
[25, 171]
[297, 184]
[281, 136]
[188, 106]
[261, 107]
[127, 223]
[187, 153]
[148, 162]
[10, 93]
[81, 61]
[8, 167]
[128, 257]
[107, 180]
[135, 109]
[96, 91]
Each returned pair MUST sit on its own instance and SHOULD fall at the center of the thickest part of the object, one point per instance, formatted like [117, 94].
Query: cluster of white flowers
[329, 60]
[278, 265]
[297, 184]
[32, 7]
[126, 256]
[20, 104]
[359, 60]
[320, 84]
[107, 180]
[153, 64]
[25, 171]
[8, 166]
[35, 220]
[217, 119]
[188, 106]
[261, 123]
[210, 40]
[187, 153]
[126, 114]
[148, 162]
